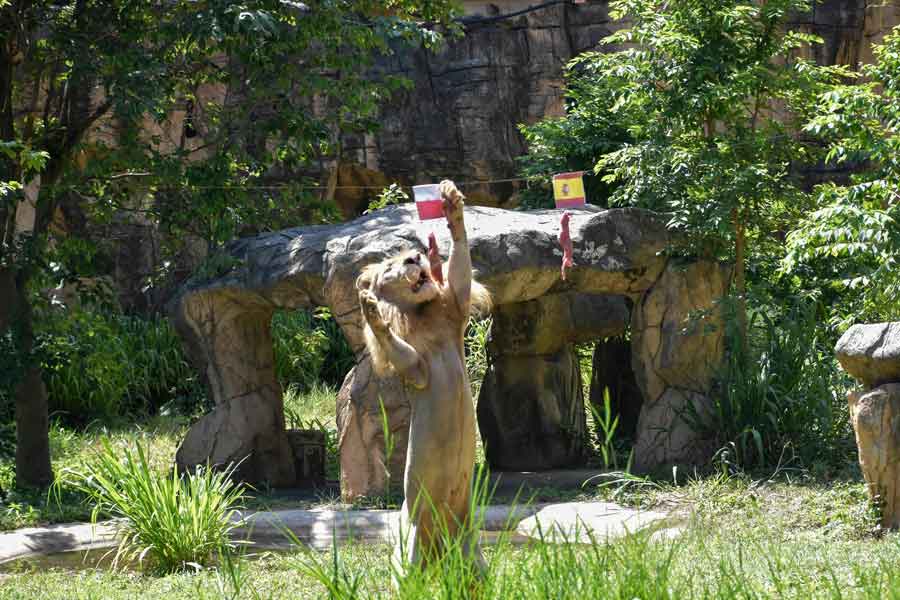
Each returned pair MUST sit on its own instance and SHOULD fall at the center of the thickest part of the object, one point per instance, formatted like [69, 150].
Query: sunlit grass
[782, 535]
[71, 448]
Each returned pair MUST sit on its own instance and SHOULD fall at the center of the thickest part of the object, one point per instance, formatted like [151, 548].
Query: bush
[173, 522]
[99, 364]
[783, 396]
[310, 348]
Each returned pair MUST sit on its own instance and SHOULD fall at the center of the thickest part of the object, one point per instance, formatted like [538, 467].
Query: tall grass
[476, 339]
[726, 556]
[169, 522]
[782, 394]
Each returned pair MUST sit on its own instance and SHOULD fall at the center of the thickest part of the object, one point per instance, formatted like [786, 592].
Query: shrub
[173, 522]
[100, 364]
[309, 348]
[782, 394]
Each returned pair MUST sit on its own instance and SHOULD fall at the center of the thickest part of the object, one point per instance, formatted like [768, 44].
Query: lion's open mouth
[423, 277]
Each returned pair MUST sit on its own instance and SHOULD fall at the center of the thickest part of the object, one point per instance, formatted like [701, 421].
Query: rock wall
[460, 118]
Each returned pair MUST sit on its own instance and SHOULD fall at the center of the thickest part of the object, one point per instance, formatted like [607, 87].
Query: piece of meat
[565, 242]
[434, 259]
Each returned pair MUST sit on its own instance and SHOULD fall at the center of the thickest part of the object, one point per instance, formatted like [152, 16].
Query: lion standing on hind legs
[414, 326]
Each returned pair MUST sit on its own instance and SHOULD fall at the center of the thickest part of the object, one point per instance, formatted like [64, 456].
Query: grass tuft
[168, 522]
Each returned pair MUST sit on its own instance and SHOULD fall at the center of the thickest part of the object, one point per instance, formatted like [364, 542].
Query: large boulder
[871, 353]
[225, 315]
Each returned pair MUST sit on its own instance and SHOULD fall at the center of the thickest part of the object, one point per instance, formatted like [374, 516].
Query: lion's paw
[369, 304]
[452, 200]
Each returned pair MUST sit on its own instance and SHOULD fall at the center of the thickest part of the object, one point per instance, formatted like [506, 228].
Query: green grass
[792, 534]
[742, 538]
[317, 404]
[71, 448]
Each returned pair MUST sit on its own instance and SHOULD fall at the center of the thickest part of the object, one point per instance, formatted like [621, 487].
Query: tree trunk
[740, 283]
[33, 468]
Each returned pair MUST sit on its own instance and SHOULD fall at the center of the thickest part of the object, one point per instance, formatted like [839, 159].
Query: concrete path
[563, 522]
[55, 538]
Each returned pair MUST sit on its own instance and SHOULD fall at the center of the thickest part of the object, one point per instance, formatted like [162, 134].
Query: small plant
[172, 522]
[606, 431]
[476, 340]
[393, 194]
[389, 444]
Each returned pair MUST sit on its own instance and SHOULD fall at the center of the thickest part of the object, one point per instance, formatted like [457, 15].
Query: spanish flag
[568, 190]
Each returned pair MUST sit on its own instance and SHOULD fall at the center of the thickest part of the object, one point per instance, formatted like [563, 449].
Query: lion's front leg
[459, 269]
[401, 356]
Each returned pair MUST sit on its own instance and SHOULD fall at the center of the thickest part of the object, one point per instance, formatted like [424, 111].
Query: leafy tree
[292, 76]
[575, 141]
[853, 240]
[712, 94]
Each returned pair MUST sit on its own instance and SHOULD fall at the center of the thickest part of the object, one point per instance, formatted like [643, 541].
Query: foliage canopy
[852, 240]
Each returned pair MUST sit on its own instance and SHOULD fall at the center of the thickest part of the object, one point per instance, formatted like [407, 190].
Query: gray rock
[677, 344]
[587, 522]
[225, 318]
[871, 353]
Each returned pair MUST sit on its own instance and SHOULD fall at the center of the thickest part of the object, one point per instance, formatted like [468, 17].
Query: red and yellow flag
[568, 190]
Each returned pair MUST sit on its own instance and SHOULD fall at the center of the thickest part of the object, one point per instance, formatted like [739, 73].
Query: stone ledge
[871, 353]
[569, 521]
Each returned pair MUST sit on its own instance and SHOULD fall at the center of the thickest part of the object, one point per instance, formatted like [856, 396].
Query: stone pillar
[531, 411]
[361, 440]
[531, 406]
[234, 341]
[677, 342]
[875, 415]
[871, 354]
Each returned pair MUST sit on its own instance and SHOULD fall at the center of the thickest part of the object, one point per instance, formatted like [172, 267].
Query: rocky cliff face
[460, 118]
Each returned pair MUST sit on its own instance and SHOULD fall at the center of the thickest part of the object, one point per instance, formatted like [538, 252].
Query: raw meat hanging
[434, 259]
[565, 241]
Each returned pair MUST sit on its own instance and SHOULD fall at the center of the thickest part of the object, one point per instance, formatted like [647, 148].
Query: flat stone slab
[578, 522]
[871, 353]
[320, 528]
[587, 522]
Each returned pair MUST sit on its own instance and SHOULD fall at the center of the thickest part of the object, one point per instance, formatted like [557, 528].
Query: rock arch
[618, 254]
